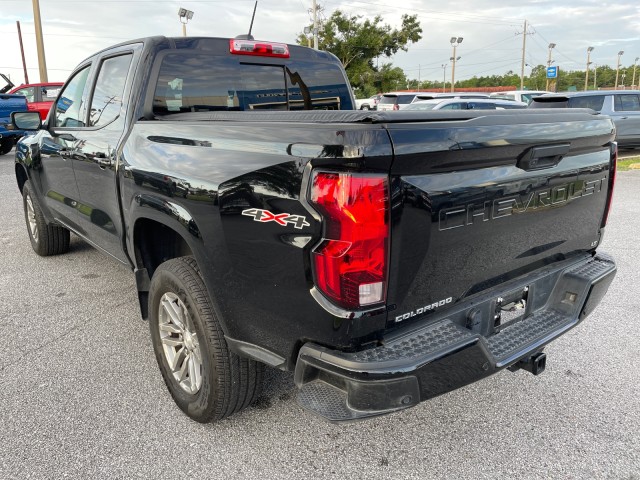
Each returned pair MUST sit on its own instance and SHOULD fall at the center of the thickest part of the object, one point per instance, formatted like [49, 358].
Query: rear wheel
[206, 380]
[45, 239]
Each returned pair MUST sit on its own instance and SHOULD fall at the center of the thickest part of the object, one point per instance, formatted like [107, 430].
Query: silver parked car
[623, 106]
[465, 104]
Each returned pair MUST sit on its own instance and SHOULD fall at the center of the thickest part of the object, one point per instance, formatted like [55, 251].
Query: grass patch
[623, 165]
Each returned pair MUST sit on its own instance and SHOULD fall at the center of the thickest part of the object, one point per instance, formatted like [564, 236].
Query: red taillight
[262, 49]
[350, 263]
[612, 182]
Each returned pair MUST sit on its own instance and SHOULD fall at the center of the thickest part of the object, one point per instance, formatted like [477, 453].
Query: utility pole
[549, 62]
[315, 25]
[586, 77]
[595, 76]
[42, 62]
[24, 63]
[524, 49]
[633, 82]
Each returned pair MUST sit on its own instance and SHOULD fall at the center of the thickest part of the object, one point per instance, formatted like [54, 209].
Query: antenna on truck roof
[249, 36]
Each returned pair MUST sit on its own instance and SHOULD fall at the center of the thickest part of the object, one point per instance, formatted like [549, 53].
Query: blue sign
[552, 72]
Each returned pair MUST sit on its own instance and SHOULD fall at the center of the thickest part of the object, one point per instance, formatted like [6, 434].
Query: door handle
[538, 158]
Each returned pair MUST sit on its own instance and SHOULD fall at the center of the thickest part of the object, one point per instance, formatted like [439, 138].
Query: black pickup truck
[385, 257]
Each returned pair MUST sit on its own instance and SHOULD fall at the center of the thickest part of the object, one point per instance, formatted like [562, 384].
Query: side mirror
[26, 120]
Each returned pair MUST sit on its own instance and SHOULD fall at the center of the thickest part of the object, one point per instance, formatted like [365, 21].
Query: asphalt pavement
[81, 395]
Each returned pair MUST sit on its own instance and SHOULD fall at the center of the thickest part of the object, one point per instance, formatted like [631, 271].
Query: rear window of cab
[201, 82]
[399, 99]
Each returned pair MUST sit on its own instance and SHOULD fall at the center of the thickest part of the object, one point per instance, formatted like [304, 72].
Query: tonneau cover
[357, 116]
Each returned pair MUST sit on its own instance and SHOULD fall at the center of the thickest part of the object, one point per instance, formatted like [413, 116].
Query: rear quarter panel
[257, 272]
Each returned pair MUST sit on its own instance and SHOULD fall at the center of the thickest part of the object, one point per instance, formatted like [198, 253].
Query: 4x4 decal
[283, 219]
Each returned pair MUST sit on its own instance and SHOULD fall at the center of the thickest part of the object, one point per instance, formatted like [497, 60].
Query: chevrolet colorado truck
[384, 257]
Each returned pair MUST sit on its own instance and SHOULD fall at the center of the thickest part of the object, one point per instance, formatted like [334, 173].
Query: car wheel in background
[5, 146]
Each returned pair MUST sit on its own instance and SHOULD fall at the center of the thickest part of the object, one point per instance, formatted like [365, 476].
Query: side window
[107, 97]
[627, 103]
[49, 94]
[28, 92]
[69, 109]
[481, 106]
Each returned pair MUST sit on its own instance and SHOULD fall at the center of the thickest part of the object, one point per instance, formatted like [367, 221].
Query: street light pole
[184, 15]
[549, 62]
[586, 77]
[595, 75]
[633, 83]
[620, 53]
[444, 77]
[455, 41]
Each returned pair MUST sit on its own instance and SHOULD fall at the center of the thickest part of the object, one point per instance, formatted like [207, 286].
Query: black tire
[229, 382]
[5, 146]
[45, 239]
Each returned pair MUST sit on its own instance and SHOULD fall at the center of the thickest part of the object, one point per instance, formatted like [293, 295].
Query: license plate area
[510, 308]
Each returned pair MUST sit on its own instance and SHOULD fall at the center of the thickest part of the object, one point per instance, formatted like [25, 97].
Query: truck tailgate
[476, 202]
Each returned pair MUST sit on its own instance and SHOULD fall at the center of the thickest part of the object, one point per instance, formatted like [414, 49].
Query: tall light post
[444, 77]
[455, 41]
[549, 61]
[453, 61]
[184, 15]
[633, 83]
[586, 77]
[595, 75]
[620, 53]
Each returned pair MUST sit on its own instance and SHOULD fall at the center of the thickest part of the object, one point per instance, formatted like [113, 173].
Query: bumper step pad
[441, 356]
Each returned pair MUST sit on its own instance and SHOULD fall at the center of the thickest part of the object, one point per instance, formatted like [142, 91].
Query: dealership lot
[82, 396]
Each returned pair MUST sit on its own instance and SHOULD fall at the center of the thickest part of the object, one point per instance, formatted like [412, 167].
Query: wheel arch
[21, 175]
[155, 241]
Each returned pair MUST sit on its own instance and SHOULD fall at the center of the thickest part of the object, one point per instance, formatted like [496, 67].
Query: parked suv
[623, 106]
[396, 100]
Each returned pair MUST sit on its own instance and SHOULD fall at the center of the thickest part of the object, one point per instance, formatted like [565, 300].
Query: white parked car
[525, 96]
[367, 103]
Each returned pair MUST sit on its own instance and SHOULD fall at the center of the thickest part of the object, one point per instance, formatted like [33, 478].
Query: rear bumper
[440, 356]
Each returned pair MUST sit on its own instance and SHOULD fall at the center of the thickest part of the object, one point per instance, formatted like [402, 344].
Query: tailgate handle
[537, 158]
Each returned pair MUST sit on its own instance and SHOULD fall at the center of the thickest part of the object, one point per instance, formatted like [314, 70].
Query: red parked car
[40, 96]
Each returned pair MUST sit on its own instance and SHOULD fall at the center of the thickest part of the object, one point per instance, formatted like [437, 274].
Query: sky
[491, 31]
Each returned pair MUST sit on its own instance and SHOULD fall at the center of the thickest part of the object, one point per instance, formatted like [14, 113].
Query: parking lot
[82, 396]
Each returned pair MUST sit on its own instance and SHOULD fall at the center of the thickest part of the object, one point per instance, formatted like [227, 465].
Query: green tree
[357, 43]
